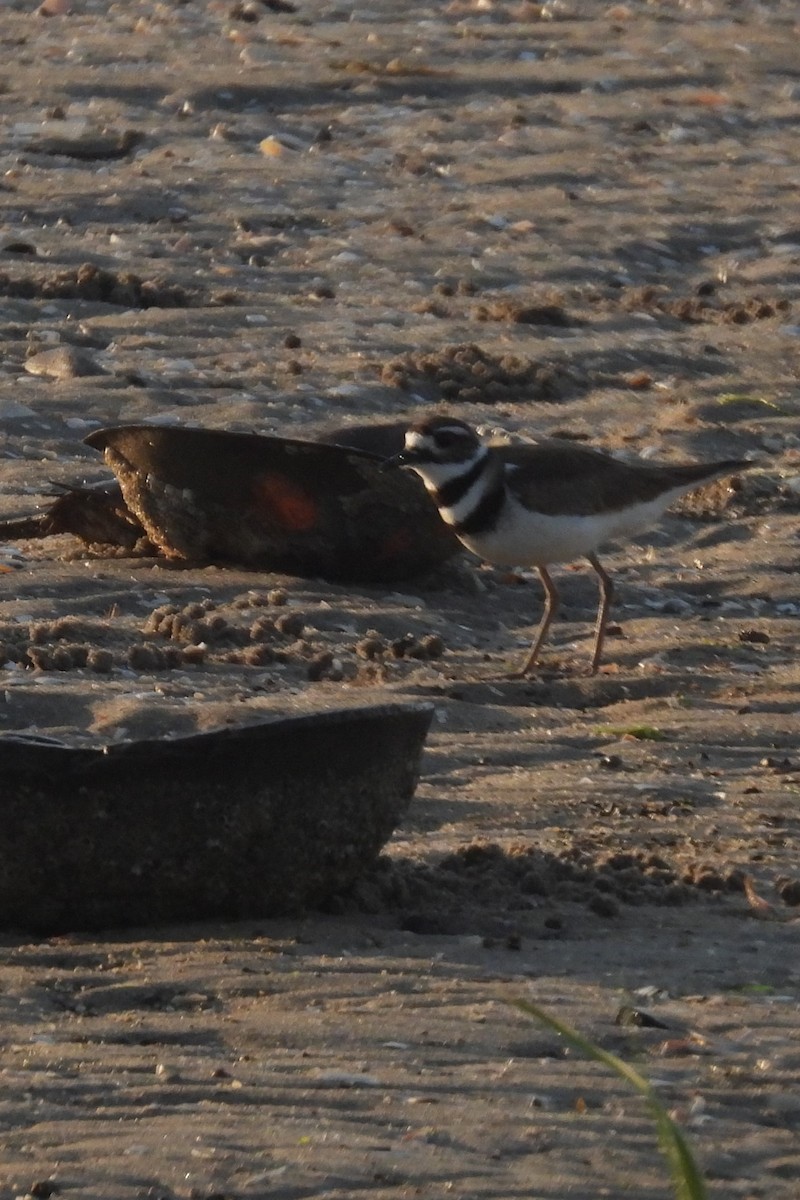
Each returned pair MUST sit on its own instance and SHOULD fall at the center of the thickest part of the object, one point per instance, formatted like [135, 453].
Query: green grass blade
[747, 398]
[642, 733]
[685, 1173]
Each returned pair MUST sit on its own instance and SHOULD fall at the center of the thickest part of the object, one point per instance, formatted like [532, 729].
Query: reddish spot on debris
[287, 503]
[397, 545]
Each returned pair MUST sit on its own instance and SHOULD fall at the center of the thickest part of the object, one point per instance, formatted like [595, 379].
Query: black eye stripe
[443, 441]
[448, 438]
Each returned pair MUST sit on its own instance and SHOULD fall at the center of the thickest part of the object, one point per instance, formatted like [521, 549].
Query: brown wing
[561, 478]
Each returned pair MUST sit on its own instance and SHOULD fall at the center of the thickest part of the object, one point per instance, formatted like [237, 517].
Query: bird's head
[437, 442]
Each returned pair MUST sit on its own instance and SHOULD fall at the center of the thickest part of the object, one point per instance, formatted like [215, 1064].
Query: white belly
[525, 538]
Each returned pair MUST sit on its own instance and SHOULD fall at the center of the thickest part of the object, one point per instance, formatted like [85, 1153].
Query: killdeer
[544, 503]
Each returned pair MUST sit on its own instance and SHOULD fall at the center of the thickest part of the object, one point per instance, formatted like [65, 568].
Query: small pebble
[42, 1189]
[248, 13]
[63, 362]
[755, 636]
[273, 147]
[637, 1016]
[610, 762]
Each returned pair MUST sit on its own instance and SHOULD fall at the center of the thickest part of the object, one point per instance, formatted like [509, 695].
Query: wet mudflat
[546, 219]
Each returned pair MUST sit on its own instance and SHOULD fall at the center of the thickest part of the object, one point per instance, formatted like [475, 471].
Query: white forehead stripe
[416, 441]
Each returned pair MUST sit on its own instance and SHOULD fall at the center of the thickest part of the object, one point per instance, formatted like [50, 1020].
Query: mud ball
[41, 658]
[217, 626]
[258, 655]
[263, 628]
[62, 659]
[291, 624]
[756, 637]
[39, 633]
[194, 611]
[78, 653]
[370, 648]
[250, 600]
[193, 656]
[433, 645]
[157, 617]
[702, 876]
[146, 658]
[179, 628]
[319, 666]
[401, 646]
[196, 633]
[10, 652]
[100, 661]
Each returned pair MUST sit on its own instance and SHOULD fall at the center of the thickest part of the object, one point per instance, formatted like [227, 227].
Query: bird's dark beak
[406, 458]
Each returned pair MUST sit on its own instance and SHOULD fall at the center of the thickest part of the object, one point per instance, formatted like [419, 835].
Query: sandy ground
[307, 214]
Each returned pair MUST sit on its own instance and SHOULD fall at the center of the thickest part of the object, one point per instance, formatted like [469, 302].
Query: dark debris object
[271, 503]
[94, 146]
[319, 509]
[259, 820]
[637, 1016]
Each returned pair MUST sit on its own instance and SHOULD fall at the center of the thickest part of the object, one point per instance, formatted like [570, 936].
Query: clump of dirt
[467, 373]
[700, 311]
[484, 885]
[523, 314]
[704, 307]
[90, 282]
[250, 630]
[710, 502]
